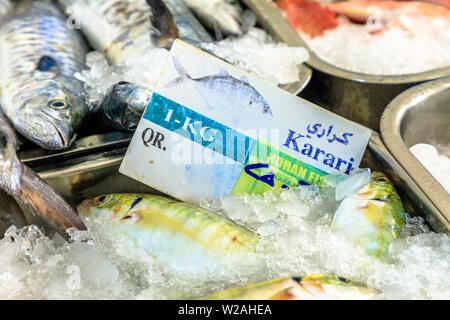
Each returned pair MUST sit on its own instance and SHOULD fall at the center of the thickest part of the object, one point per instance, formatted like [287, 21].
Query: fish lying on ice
[39, 56]
[189, 29]
[27, 188]
[225, 16]
[371, 217]
[122, 29]
[313, 287]
[220, 90]
[123, 105]
[178, 234]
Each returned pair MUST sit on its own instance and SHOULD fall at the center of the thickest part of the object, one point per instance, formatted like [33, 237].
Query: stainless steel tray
[421, 115]
[355, 96]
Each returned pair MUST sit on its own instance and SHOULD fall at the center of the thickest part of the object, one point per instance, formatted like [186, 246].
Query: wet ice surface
[255, 52]
[295, 240]
[422, 44]
[437, 164]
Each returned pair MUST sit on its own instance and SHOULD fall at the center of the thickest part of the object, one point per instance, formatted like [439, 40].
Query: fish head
[372, 217]
[329, 286]
[124, 104]
[115, 207]
[256, 101]
[379, 190]
[50, 116]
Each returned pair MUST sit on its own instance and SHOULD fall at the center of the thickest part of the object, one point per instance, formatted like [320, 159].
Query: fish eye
[101, 199]
[381, 179]
[343, 279]
[58, 104]
[123, 83]
[250, 103]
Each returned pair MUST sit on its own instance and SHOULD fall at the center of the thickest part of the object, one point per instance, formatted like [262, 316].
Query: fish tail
[182, 74]
[48, 203]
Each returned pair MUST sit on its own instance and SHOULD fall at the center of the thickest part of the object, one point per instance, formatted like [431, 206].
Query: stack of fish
[40, 51]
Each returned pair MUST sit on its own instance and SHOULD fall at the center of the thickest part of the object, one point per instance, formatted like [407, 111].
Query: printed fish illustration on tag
[222, 91]
[211, 129]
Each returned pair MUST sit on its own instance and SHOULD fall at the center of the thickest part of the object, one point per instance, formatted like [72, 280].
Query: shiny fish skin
[184, 237]
[372, 217]
[225, 15]
[122, 29]
[39, 56]
[29, 189]
[314, 287]
[10, 167]
[189, 29]
[48, 203]
[123, 105]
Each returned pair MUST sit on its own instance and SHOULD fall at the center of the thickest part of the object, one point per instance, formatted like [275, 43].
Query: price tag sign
[211, 129]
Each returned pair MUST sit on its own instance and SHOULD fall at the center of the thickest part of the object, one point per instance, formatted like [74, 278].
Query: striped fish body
[313, 287]
[178, 234]
[372, 217]
[39, 56]
[122, 29]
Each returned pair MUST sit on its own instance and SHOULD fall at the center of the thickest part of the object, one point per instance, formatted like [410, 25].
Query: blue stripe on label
[198, 128]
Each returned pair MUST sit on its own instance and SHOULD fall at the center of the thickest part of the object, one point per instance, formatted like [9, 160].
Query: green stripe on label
[287, 171]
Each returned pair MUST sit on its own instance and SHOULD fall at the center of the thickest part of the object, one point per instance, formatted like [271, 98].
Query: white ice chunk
[257, 53]
[410, 44]
[352, 184]
[438, 165]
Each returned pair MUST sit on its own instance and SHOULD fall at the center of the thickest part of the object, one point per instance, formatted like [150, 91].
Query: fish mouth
[47, 132]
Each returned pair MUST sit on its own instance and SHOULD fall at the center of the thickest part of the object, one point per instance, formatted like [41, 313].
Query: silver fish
[226, 16]
[27, 188]
[123, 105]
[39, 56]
[222, 90]
[122, 29]
[189, 29]
[10, 167]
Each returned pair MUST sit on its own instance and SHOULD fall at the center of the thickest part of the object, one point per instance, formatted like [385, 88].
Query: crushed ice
[421, 44]
[295, 240]
[255, 52]
[435, 162]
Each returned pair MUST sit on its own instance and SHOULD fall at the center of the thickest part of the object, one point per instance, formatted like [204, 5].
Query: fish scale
[33, 31]
[181, 235]
[119, 29]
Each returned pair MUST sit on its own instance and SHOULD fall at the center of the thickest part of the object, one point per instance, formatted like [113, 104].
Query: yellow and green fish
[183, 236]
[313, 287]
[371, 217]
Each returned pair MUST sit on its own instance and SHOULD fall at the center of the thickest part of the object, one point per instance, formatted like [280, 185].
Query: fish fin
[48, 64]
[47, 203]
[182, 74]
[244, 79]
